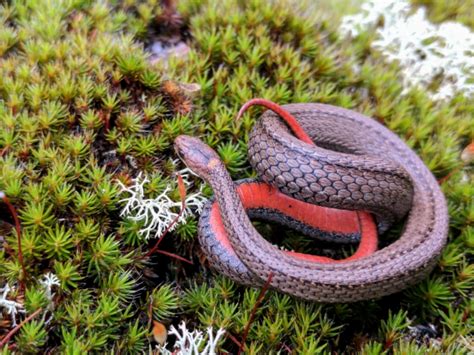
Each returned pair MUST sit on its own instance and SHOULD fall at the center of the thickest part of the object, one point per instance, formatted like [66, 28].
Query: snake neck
[245, 239]
[224, 191]
[232, 211]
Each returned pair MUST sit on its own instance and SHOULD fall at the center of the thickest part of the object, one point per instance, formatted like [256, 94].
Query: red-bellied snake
[356, 164]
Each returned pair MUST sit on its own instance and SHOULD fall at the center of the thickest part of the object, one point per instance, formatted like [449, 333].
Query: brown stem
[287, 348]
[175, 256]
[261, 295]
[182, 194]
[175, 220]
[18, 236]
[443, 179]
[150, 312]
[169, 5]
[107, 122]
[233, 339]
[12, 332]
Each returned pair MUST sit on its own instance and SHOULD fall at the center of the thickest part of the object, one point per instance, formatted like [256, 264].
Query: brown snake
[357, 164]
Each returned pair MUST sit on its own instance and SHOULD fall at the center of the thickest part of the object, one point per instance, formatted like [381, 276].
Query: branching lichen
[193, 342]
[429, 54]
[48, 281]
[11, 307]
[157, 214]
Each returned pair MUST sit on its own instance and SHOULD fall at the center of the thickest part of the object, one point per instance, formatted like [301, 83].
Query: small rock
[161, 52]
[422, 334]
[191, 90]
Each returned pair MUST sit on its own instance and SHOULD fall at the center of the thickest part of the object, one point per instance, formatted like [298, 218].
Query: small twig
[466, 314]
[12, 332]
[445, 178]
[107, 122]
[287, 348]
[157, 244]
[169, 5]
[175, 256]
[182, 193]
[261, 295]
[150, 312]
[233, 339]
[18, 236]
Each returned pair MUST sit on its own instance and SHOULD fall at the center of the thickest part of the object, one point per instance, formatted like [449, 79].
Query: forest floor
[92, 95]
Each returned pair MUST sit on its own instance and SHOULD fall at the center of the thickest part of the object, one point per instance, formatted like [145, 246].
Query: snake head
[197, 155]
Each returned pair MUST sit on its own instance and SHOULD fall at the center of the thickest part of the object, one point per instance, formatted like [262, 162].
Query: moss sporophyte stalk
[86, 115]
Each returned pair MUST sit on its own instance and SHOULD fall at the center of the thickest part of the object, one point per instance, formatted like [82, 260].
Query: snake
[355, 163]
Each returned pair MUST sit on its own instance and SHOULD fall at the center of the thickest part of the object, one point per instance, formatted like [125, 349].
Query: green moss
[457, 10]
[81, 107]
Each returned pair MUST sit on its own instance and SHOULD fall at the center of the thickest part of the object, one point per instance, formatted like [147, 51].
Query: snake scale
[357, 164]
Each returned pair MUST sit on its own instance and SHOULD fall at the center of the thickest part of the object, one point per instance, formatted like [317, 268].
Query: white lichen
[12, 307]
[158, 213]
[190, 343]
[425, 51]
[49, 280]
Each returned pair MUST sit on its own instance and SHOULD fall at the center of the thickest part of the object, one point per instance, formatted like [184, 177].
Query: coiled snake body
[357, 164]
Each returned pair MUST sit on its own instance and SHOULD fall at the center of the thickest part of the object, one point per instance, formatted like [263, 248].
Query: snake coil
[357, 164]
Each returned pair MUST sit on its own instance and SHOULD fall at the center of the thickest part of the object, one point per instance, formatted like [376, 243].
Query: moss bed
[456, 10]
[83, 107]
